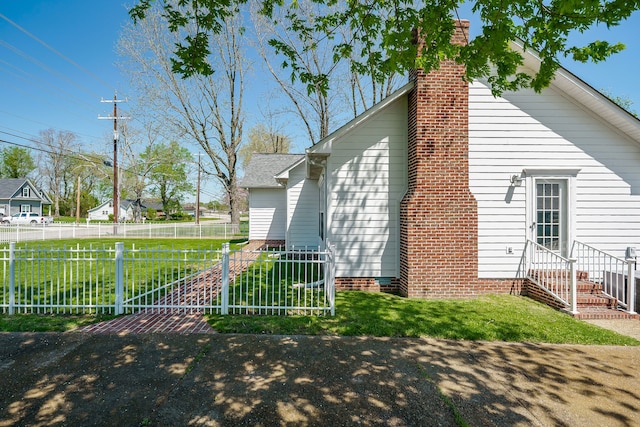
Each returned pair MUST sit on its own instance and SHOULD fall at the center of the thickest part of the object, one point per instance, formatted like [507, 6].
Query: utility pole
[115, 118]
[78, 203]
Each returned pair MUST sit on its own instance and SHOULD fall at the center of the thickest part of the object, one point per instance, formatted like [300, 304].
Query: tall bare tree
[263, 140]
[57, 163]
[387, 30]
[316, 103]
[316, 108]
[205, 110]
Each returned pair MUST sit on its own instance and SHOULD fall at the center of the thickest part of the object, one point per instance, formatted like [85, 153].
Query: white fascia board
[585, 95]
[324, 146]
[283, 176]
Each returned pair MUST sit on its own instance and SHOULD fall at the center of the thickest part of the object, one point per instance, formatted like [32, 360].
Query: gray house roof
[127, 203]
[262, 169]
[11, 188]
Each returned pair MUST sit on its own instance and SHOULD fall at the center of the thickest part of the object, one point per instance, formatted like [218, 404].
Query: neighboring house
[126, 210]
[434, 191]
[268, 217]
[20, 195]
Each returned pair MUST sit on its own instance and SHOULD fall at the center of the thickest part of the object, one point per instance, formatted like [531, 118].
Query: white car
[27, 218]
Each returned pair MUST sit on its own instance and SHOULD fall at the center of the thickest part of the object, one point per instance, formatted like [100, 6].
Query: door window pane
[548, 205]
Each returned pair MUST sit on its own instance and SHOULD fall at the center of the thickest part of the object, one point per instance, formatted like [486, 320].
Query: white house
[127, 210]
[268, 197]
[103, 210]
[436, 190]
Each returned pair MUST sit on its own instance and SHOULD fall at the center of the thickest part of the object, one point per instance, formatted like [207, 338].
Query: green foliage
[382, 32]
[490, 318]
[168, 173]
[622, 101]
[16, 162]
[151, 214]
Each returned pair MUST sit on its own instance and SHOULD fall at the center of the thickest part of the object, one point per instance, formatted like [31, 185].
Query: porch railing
[554, 273]
[119, 280]
[616, 275]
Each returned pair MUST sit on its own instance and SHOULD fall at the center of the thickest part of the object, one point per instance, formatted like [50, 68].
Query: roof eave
[324, 146]
[584, 94]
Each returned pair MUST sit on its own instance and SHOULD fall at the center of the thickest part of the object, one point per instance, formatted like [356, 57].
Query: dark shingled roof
[262, 169]
[9, 187]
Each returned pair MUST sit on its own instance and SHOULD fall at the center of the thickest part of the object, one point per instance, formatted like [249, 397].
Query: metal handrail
[615, 274]
[553, 272]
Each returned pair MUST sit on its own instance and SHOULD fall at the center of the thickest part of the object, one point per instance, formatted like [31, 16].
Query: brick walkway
[178, 321]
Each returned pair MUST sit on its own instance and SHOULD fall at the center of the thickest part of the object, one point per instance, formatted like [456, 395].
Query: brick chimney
[439, 215]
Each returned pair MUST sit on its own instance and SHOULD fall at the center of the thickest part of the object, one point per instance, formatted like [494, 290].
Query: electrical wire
[70, 61]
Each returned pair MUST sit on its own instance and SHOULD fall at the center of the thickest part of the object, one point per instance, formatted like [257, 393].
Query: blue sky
[60, 86]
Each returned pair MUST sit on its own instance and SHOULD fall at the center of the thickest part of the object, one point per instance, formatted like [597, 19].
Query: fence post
[574, 286]
[225, 278]
[331, 250]
[119, 277]
[631, 285]
[12, 277]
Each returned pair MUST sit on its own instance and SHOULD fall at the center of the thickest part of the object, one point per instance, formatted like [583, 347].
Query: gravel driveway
[216, 380]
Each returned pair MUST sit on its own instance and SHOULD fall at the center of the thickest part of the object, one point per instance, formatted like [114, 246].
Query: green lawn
[490, 318]
[47, 323]
[54, 275]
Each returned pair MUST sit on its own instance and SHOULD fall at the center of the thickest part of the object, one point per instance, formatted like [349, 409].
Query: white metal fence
[118, 280]
[204, 230]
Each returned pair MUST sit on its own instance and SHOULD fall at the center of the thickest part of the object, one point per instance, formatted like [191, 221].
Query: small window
[25, 208]
[26, 192]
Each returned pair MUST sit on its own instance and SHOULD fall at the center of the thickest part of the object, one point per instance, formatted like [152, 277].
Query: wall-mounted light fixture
[516, 180]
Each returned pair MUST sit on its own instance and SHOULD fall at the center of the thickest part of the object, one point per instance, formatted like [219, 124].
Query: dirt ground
[218, 380]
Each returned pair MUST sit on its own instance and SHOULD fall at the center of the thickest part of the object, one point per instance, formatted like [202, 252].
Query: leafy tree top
[383, 31]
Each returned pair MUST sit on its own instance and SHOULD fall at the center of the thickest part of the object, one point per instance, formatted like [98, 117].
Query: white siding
[547, 131]
[267, 214]
[367, 174]
[302, 210]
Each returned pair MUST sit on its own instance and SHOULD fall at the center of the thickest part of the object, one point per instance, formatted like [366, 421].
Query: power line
[82, 157]
[45, 67]
[70, 61]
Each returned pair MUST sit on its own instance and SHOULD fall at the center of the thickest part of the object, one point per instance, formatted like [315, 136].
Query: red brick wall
[537, 293]
[438, 217]
[365, 284]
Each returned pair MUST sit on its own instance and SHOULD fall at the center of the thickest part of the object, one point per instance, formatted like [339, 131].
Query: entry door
[550, 228]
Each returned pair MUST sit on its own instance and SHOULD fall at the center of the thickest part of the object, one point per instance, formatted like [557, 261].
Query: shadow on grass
[489, 318]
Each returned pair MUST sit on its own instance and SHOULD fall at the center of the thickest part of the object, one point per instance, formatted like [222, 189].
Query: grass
[271, 282]
[489, 318]
[47, 323]
[51, 274]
